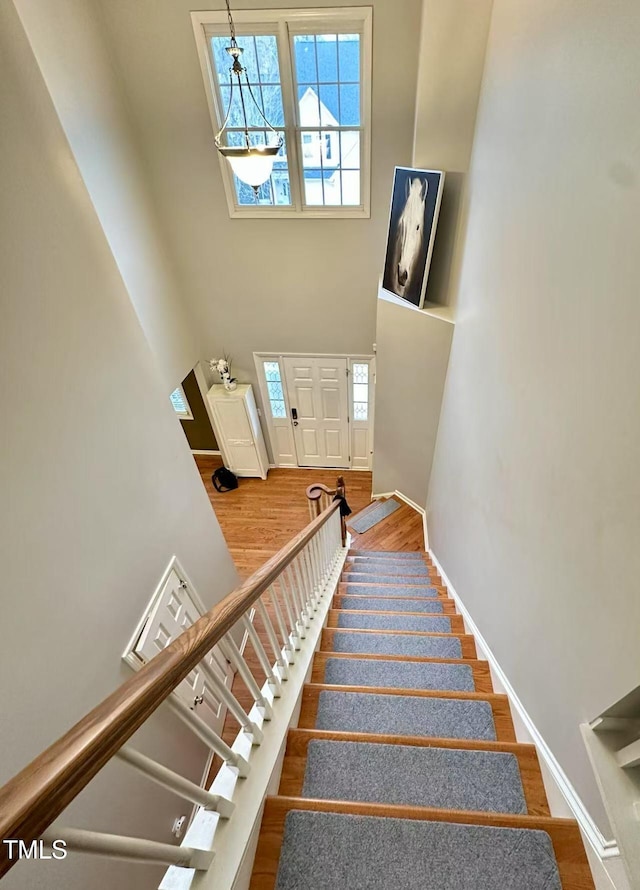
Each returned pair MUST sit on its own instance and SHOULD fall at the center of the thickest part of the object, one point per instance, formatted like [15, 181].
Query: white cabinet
[238, 431]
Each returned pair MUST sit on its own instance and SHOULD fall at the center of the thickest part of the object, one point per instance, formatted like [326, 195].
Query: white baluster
[306, 575]
[207, 735]
[301, 590]
[281, 662]
[284, 633]
[132, 849]
[232, 703]
[263, 658]
[231, 651]
[316, 554]
[287, 585]
[167, 778]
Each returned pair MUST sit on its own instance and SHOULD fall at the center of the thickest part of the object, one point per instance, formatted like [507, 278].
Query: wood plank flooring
[261, 516]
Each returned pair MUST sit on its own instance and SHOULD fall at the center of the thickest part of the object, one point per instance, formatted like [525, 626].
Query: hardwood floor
[260, 517]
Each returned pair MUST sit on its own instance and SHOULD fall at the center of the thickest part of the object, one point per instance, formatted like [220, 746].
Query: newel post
[341, 493]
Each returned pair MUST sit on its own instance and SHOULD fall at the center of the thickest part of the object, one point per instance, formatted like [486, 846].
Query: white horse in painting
[410, 236]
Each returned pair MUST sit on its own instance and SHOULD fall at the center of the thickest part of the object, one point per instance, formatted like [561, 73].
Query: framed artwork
[415, 204]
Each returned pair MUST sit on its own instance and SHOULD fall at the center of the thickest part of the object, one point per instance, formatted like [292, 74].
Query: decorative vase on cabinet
[238, 431]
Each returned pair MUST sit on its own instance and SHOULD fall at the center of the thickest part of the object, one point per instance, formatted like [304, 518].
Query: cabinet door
[233, 421]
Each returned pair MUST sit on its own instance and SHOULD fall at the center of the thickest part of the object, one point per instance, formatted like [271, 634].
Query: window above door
[310, 72]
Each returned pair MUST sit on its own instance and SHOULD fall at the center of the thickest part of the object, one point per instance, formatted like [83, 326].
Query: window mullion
[287, 84]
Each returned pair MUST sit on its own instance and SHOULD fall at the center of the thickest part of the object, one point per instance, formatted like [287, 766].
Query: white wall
[411, 365]
[68, 40]
[261, 285]
[99, 489]
[535, 491]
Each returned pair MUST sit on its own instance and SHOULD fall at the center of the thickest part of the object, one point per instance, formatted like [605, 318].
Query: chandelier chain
[232, 27]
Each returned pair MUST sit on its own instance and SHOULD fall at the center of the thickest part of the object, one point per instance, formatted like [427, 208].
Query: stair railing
[319, 497]
[285, 592]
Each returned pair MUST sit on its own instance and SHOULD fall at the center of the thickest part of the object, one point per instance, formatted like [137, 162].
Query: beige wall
[535, 490]
[414, 347]
[411, 365]
[453, 42]
[67, 37]
[99, 489]
[257, 285]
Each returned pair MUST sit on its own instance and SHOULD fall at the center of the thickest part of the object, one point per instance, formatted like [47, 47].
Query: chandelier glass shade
[251, 162]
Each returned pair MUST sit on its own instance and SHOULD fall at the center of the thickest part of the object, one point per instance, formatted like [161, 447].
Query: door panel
[172, 614]
[317, 390]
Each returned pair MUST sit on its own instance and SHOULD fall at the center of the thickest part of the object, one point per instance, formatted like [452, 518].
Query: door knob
[294, 416]
[198, 701]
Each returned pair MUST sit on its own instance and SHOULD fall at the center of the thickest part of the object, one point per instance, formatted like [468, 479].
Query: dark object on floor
[224, 480]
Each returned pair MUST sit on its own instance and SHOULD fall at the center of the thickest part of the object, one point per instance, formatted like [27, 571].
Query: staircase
[404, 771]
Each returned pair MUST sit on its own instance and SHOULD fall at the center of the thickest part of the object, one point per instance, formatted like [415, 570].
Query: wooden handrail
[37, 795]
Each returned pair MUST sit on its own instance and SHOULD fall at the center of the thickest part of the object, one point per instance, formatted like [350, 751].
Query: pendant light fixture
[251, 162]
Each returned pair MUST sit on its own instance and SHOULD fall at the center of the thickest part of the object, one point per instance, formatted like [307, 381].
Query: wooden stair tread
[479, 669]
[456, 621]
[499, 703]
[294, 765]
[467, 641]
[564, 833]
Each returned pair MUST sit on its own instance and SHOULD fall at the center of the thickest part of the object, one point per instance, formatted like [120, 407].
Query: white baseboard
[205, 453]
[605, 851]
[412, 504]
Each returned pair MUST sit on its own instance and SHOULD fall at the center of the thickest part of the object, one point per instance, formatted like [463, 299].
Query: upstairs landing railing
[285, 593]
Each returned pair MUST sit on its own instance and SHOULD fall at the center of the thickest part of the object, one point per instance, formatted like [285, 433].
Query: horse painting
[414, 207]
[410, 235]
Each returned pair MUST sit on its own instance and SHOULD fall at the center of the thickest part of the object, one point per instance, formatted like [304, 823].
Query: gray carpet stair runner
[401, 567]
[371, 578]
[444, 778]
[322, 850]
[327, 850]
[396, 644]
[387, 554]
[383, 621]
[374, 589]
[397, 604]
[372, 515]
[444, 718]
[398, 674]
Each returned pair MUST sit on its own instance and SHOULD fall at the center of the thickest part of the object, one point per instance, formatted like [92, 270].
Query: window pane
[304, 49]
[360, 392]
[329, 108]
[332, 188]
[260, 58]
[308, 106]
[313, 186]
[267, 54]
[360, 411]
[272, 105]
[179, 402]
[349, 57]
[350, 104]
[274, 387]
[327, 49]
[272, 371]
[351, 187]
[360, 372]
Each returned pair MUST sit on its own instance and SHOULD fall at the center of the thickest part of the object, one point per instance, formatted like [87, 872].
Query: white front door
[319, 408]
[173, 612]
